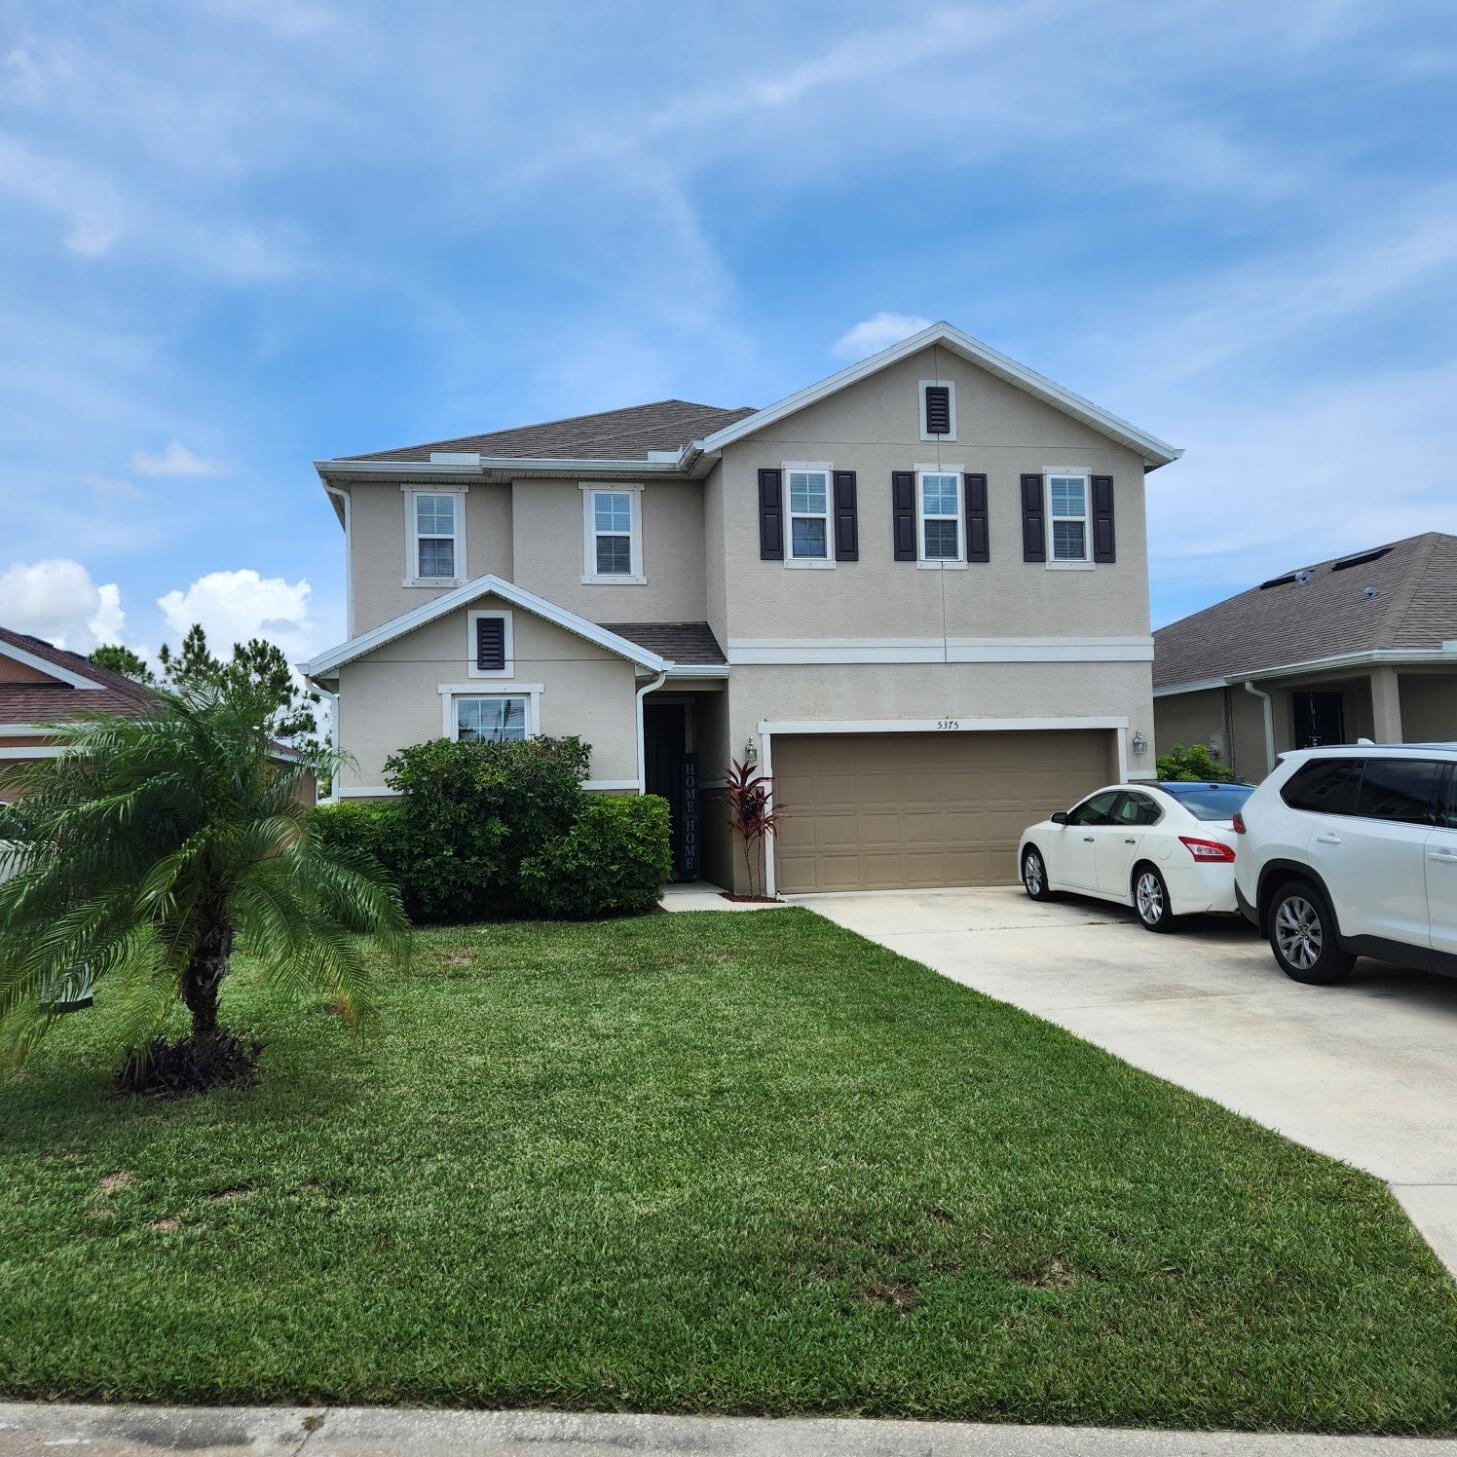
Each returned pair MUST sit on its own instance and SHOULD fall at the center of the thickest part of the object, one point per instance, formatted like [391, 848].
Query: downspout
[342, 496]
[642, 752]
[1268, 704]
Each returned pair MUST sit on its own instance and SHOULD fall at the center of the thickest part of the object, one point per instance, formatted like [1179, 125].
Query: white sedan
[1165, 848]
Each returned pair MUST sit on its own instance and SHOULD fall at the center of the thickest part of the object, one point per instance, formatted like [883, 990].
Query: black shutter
[978, 543]
[938, 409]
[490, 644]
[1104, 546]
[1034, 531]
[903, 514]
[771, 516]
[847, 527]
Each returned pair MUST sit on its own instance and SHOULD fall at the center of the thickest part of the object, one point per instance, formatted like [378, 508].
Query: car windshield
[1209, 801]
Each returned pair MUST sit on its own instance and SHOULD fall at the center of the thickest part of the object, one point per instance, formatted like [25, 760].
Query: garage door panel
[883, 811]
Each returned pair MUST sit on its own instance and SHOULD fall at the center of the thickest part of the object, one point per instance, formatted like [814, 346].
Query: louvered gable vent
[938, 409]
[490, 644]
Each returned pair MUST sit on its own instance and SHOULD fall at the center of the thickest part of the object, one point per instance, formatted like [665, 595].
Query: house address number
[948, 723]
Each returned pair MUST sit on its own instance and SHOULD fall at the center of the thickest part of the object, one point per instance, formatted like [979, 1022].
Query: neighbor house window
[490, 720]
[613, 534]
[1067, 511]
[808, 520]
[940, 516]
[436, 545]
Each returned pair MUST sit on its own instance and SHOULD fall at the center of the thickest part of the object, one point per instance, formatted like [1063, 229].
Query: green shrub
[369, 827]
[612, 861]
[1193, 764]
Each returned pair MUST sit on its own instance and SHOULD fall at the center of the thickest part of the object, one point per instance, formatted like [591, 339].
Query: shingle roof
[1414, 605]
[58, 702]
[610, 435]
[679, 642]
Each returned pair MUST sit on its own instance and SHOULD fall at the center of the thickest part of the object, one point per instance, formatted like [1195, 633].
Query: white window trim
[452, 693]
[951, 401]
[928, 564]
[412, 541]
[1084, 563]
[590, 576]
[809, 563]
[470, 646]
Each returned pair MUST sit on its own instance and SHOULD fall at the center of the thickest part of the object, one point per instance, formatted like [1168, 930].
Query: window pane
[806, 491]
[807, 537]
[613, 512]
[938, 495]
[614, 556]
[435, 515]
[1210, 801]
[940, 541]
[1069, 496]
[1327, 786]
[1097, 810]
[490, 720]
[1068, 541]
[437, 558]
[1398, 789]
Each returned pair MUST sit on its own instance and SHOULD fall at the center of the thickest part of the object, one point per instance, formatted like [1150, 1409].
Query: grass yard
[700, 1163]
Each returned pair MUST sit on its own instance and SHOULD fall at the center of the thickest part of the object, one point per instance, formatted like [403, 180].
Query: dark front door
[1320, 719]
[670, 772]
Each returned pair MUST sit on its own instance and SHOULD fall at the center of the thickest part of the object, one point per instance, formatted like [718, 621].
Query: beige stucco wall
[390, 698]
[378, 557]
[873, 428]
[1429, 707]
[549, 552]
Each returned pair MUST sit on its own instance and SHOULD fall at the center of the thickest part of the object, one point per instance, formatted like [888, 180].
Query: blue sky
[241, 234]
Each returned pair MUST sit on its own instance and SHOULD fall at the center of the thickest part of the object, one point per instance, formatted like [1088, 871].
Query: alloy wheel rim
[1150, 896]
[1298, 932]
[1032, 874]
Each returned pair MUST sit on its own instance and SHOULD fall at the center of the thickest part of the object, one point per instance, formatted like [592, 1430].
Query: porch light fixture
[1139, 744]
[751, 752]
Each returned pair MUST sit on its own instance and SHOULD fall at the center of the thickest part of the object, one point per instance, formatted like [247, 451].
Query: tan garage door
[887, 811]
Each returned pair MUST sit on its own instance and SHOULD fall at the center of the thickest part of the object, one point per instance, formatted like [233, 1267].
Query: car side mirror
[1060, 818]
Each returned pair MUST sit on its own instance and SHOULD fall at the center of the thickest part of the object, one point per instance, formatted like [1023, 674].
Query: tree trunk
[203, 978]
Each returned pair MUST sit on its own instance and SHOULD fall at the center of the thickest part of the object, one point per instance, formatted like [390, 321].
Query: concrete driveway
[1365, 1072]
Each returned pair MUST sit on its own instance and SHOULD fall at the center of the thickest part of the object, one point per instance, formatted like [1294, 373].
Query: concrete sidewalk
[141, 1431]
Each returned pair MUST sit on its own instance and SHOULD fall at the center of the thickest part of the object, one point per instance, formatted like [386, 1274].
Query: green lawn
[700, 1163]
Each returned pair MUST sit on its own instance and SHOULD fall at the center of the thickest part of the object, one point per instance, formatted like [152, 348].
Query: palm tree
[152, 847]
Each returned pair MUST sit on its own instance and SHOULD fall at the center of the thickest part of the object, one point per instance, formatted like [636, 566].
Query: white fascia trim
[1155, 452]
[609, 786]
[1204, 685]
[759, 651]
[51, 670]
[950, 724]
[697, 670]
[462, 596]
[367, 791]
[32, 751]
[479, 467]
[1373, 658]
[24, 730]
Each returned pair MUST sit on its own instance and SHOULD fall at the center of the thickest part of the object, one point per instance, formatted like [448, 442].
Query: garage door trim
[768, 728]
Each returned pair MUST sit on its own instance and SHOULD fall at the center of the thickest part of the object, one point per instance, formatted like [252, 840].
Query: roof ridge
[1396, 612]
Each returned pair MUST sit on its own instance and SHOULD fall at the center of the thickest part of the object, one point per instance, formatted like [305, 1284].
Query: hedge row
[498, 831]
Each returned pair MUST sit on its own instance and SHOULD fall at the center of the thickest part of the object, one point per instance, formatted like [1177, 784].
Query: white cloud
[879, 331]
[235, 606]
[57, 600]
[90, 236]
[115, 488]
[175, 460]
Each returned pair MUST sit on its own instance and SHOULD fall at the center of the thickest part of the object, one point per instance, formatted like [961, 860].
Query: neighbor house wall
[1428, 708]
[12, 671]
[1192, 718]
[390, 698]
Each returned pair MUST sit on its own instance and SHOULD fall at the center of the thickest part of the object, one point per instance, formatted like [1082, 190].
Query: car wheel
[1151, 899]
[1034, 875]
[1303, 936]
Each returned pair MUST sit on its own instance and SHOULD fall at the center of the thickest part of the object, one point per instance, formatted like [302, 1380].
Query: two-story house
[914, 593]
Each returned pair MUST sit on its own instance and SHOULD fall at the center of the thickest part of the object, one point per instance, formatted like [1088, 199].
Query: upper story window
[612, 534]
[808, 518]
[1067, 513]
[940, 510]
[435, 551]
[938, 409]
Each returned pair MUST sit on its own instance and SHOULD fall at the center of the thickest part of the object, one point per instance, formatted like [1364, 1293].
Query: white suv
[1352, 851]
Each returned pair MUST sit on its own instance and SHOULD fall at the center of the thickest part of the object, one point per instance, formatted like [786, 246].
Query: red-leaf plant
[751, 810]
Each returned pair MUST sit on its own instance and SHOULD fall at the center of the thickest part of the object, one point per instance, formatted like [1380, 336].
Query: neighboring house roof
[679, 642]
[76, 687]
[327, 663]
[676, 436]
[607, 435]
[1319, 612]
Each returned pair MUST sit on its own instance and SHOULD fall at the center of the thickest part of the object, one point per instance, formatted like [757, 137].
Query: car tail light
[1209, 852]
[1239, 823]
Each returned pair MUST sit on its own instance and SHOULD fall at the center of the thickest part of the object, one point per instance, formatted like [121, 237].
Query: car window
[1447, 798]
[1325, 786]
[1399, 789]
[1137, 809]
[1097, 809]
[1209, 801]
